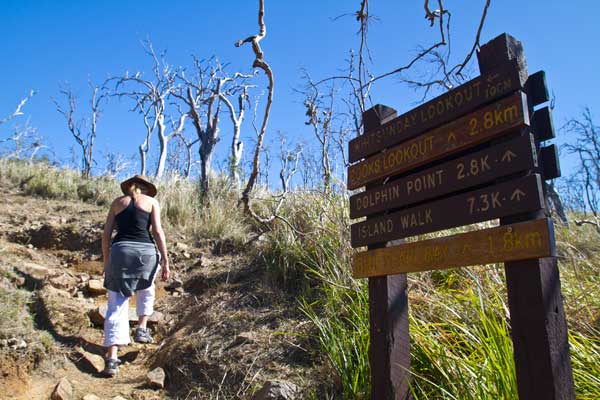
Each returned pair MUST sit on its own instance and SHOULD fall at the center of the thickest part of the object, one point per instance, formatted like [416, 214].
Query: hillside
[222, 330]
[247, 307]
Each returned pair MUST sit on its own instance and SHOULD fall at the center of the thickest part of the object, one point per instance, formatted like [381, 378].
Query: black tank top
[133, 225]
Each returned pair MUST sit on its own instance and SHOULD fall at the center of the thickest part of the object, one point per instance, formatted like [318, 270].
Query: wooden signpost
[473, 154]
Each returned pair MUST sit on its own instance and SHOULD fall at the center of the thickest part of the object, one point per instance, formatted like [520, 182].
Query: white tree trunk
[163, 141]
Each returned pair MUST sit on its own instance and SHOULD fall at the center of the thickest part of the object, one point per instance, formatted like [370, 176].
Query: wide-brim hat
[139, 179]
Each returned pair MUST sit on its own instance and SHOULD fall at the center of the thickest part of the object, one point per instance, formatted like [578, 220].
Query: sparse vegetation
[460, 333]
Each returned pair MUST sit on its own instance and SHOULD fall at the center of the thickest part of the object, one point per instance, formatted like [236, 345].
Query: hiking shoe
[111, 367]
[142, 335]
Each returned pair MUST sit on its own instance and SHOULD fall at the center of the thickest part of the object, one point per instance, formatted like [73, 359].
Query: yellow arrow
[451, 137]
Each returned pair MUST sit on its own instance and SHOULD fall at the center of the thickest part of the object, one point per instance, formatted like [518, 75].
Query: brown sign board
[471, 170]
[509, 198]
[520, 241]
[451, 105]
[485, 124]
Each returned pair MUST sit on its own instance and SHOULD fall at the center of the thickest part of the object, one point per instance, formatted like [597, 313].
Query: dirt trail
[53, 249]
[221, 334]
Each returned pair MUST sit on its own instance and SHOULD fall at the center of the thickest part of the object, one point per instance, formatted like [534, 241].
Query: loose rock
[62, 281]
[94, 362]
[96, 287]
[156, 378]
[200, 261]
[175, 283]
[277, 390]
[90, 397]
[62, 391]
[181, 246]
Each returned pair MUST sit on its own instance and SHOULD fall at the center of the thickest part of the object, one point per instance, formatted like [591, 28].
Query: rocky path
[219, 331]
[51, 250]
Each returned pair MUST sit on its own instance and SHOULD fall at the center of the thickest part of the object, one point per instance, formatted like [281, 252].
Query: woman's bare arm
[161, 242]
[107, 235]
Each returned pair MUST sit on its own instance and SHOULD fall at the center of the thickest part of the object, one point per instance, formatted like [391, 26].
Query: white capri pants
[116, 324]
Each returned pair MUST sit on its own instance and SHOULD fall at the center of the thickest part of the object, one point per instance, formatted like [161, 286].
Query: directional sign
[468, 171]
[485, 124]
[451, 105]
[521, 241]
[514, 197]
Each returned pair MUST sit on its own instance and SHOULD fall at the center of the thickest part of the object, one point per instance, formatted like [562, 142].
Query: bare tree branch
[151, 97]
[18, 111]
[86, 139]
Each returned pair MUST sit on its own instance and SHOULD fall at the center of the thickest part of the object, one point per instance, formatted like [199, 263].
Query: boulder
[62, 391]
[95, 287]
[156, 378]
[277, 390]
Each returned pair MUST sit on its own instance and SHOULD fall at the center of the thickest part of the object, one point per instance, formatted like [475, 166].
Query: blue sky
[47, 43]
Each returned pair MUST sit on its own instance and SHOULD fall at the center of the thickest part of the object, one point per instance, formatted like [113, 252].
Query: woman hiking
[131, 261]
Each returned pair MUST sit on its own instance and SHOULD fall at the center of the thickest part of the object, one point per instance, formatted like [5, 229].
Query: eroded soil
[222, 334]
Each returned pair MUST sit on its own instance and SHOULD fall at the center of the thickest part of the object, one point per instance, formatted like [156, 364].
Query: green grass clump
[465, 351]
[15, 320]
[44, 180]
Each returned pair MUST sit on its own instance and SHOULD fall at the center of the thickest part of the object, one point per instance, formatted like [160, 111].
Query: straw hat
[139, 179]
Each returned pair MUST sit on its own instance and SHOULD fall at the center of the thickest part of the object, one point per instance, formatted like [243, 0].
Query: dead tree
[151, 97]
[556, 203]
[186, 146]
[23, 140]
[84, 130]
[320, 112]
[115, 164]
[260, 63]
[237, 117]
[586, 147]
[444, 75]
[17, 111]
[201, 94]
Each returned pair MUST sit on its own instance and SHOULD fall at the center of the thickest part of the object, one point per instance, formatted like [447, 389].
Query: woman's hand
[165, 271]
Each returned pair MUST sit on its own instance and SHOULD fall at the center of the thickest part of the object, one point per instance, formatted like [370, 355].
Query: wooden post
[389, 353]
[538, 324]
